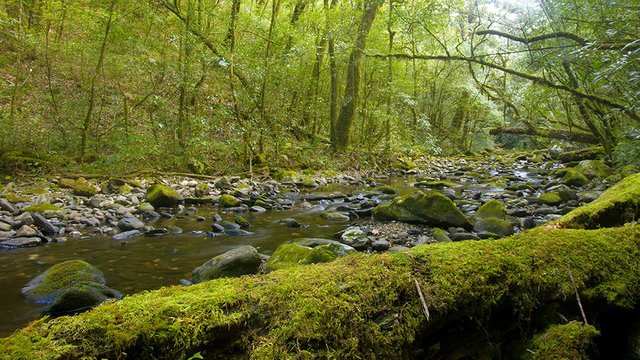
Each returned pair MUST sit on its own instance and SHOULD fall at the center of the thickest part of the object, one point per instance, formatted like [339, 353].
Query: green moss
[574, 177]
[441, 235]
[494, 225]
[286, 256]
[358, 306]
[569, 341]
[308, 181]
[617, 205]
[386, 189]
[244, 223]
[125, 189]
[404, 164]
[227, 200]
[160, 195]
[35, 191]
[431, 208]
[202, 189]
[492, 208]
[14, 198]
[80, 186]
[38, 208]
[551, 198]
[594, 169]
[54, 281]
[286, 176]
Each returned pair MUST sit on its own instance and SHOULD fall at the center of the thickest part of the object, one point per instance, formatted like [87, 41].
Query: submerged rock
[237, 262]
[20, 242]
[429, 208]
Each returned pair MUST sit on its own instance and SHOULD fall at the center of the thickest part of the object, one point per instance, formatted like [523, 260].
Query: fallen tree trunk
[360, 306]
[581, 137]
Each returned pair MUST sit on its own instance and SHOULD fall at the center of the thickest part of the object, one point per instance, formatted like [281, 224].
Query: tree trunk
[467, 299]
[352, 89]
[86, 125]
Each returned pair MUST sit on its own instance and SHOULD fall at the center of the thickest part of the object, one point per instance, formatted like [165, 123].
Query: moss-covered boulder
[405, 164]
[40, 208]
[287, 176]
[386, 189]
[289, 255]
[594, 169]
[227, 201]
[237, 262]
[160, 195]
[492, 208]
[81, 297]
[440, 235]
[430, 208]
[566, 341]
[80, 186]
[574, 177]
[202, 189]
[493, 225]
[47, 287]
[618, 205]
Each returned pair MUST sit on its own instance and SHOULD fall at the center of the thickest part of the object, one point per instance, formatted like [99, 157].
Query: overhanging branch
[535, 79]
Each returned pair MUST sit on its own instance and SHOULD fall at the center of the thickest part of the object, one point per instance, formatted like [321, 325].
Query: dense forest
[210, 86]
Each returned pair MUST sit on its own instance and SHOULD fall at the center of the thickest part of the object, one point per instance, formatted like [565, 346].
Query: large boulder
[574, 177]
[356, 238]
[493, 225]
[594, 169]
[80, 187]
[430, 208]
[82, 296]
[289, 255]
[160, 195]
[64, 284]
[492, 208]
[237, 262]
[227, 201]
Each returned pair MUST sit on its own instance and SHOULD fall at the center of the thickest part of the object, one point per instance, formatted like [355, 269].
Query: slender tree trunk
[387, 125]
[94, 79]
[262, 107]
[352, 89]
[333, 101]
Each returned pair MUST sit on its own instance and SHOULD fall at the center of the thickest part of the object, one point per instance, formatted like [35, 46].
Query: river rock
[334, 216]
[80, 187]
[130, 223]
[464, 236]
[159, 195]
[237, 232]
[7, 206]
[26, 231]
[229, 201]
[440, 235]
[355, 237]
[290, 222]
[4, 226]
[429, 208]
[20, 242]
[289, 255]
[594, 169]
[44, 225]
[125, 235]
[574, 177]
[81, 297]
[380, 245]
[492, 208]
[237, 262]
[494, 225]
[47, 287]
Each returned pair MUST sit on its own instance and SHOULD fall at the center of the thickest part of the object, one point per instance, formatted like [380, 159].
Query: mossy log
[360, 306]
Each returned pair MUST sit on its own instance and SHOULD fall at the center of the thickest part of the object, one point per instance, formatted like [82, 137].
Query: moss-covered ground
[356, 307]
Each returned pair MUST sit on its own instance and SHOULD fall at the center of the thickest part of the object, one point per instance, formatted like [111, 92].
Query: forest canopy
[115, 84]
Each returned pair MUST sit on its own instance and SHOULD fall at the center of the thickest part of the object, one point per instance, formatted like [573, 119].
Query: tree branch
[548, 133]
[535, 79]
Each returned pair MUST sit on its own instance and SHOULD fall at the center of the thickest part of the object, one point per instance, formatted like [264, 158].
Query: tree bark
[352, 89]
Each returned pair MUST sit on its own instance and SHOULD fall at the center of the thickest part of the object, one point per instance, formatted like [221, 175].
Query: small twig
[424, 303]
[575, 288]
